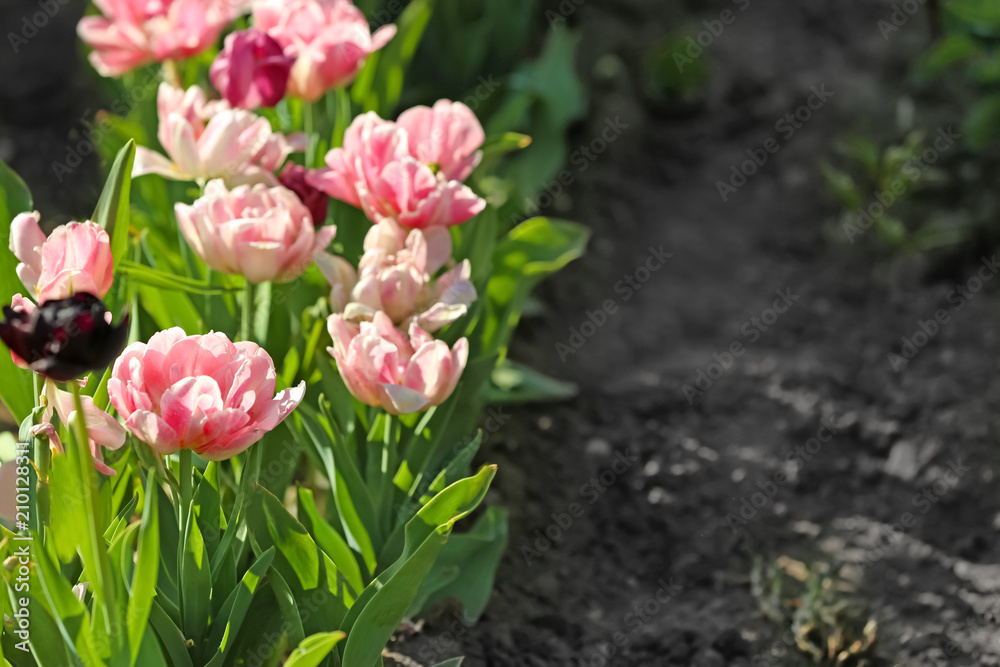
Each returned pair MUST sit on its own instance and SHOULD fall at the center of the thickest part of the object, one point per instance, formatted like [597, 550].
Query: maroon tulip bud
[318, 202]
[66, 338]
[252, 70]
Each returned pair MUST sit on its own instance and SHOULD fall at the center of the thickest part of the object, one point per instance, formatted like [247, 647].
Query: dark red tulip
[66, 338]
[318, 202]
[252, 70]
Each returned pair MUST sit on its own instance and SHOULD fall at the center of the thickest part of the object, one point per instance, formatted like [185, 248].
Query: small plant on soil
[827, 625]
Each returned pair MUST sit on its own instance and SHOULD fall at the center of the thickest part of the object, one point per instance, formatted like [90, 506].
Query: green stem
[246, 332]
[184, 470]
[343, 118]
[105, 583]
[309, 122]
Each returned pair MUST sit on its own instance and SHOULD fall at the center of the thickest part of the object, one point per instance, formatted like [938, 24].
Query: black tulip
[66, 338]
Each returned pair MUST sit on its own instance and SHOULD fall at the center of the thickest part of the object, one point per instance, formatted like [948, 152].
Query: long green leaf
[112, 212]
[235, 610]
[313, 650]
[16, 389]
[147, 567]
[330, 540]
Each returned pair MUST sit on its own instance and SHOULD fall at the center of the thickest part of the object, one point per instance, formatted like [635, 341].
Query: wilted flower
[133, 33]
[252, 70]
[103, 430]
[329, 39]
[399, 282]
[75, 258]
[264, 234]
[384, 367]
[206, 140]
[202, 393]
[293, 177]
[410, 172]
[65, 338]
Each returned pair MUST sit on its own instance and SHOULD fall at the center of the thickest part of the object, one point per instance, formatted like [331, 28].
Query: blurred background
[782, 448]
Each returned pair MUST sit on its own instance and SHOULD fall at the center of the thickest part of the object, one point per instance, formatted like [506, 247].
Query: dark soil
[933, 587]
[671, 467]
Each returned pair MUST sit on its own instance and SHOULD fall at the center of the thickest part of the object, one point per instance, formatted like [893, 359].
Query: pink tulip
[380, 168]
[202, 393]
[384, 368]
[252, 71]
[447, 136]
[264, 234]
[399, 282]
[329, 39]
[103, 430]
[133, 33]
[76, 257]
[206, 140]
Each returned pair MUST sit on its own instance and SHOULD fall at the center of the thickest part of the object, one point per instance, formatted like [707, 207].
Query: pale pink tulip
[202, 393]
[76, 257]
[384, 367]
[133, 33]
[447, 137]
[388, 174]
[103, 430]
[329, 39]
[206, 140]
[399, 282]
[264, 234]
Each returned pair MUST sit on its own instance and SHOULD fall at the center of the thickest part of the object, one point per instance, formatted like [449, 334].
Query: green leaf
[147, 568]
[171, 638]
[381, 613]
[329, 540]
[195, 582]
[466, 567]
[388, 67]
[982, 124]
[15, 197]
[70, 614]
[230, 618]
[454, 662]
[504, 143]
[298, 560]
[112, 212]
[517, 383]
[313, 650]
[16, 389]
[142, 274]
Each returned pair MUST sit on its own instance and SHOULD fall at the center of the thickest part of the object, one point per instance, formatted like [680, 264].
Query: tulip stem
[98, 556]
[184, 471]
[309, 123]
[245, 329]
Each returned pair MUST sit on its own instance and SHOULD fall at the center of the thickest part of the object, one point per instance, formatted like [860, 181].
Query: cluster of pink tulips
[284, 312]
